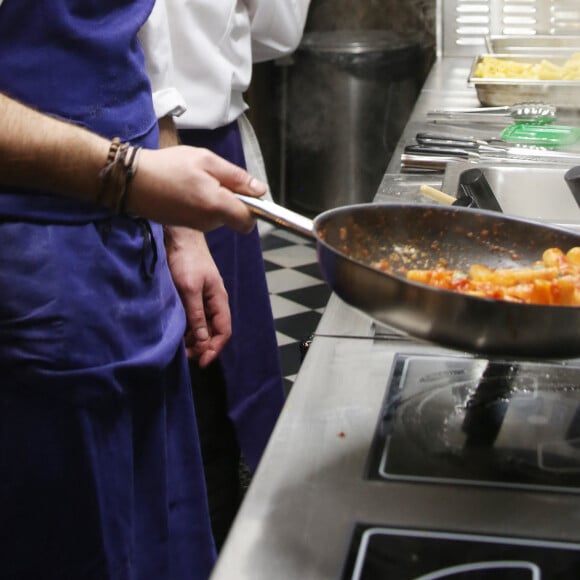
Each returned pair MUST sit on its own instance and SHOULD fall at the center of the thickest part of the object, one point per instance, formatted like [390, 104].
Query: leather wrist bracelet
[117, 175]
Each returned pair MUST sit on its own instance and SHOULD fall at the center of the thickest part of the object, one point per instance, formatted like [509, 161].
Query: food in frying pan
[545, 70]
[553, 280]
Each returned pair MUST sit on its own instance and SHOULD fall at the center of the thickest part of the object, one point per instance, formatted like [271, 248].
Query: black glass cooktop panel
[480, 422]
[378, 552]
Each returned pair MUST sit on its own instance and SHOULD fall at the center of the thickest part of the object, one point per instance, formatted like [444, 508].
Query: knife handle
[439, 150]
[426, 163]
[448, 140]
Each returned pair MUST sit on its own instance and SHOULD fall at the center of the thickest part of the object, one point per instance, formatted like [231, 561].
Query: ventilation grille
[464, 24]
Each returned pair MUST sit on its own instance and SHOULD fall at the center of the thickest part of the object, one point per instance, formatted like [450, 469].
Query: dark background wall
[268, 94]
[411, 16]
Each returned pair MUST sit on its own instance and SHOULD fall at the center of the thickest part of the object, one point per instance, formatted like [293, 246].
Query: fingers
[220, 329]
[207, 357]
[234, 178]
[197, 338]
[192, 187]
[199, 341]
[206, 351]
[210, 327]
[237, 215]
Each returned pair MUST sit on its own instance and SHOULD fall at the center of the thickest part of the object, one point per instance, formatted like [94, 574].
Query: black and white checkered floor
[297, 291]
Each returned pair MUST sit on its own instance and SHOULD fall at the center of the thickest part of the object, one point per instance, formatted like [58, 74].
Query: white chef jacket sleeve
[154, 37]
[277, 27]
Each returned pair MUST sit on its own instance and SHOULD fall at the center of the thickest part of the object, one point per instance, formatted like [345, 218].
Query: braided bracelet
[130, 161]
[117, 175]
[105, 173]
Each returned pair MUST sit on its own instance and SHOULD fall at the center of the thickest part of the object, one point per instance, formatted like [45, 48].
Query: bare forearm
[179, 185]
[177, 237]
[197, 280]
[39, 151]
[168, 136]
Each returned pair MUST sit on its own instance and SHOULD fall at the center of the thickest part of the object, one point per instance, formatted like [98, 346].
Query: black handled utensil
[475, 148]
[572, 177]
[441, 140]
[474, 186]
[441, 150]
[487, 405]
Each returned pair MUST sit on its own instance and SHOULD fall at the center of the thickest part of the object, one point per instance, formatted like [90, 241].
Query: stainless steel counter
[300, 510]
[309, 491]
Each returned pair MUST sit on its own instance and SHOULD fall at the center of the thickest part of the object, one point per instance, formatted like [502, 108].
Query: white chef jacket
[154, 38]
[213, 46]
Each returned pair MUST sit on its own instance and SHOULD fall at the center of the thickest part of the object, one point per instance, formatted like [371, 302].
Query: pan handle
[279, 215]
[474, 185]
[572, 178]
[437, 195]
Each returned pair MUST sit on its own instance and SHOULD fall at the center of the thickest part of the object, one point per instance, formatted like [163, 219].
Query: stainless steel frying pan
[350, 238]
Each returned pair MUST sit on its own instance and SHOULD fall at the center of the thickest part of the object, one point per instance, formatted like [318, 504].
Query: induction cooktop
[378, 552]
[475, 421]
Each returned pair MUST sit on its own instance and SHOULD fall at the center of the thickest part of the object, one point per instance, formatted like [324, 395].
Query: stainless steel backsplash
[404, 16]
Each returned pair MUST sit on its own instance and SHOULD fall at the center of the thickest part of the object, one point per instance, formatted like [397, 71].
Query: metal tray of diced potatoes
[494, 91]
[538, 43]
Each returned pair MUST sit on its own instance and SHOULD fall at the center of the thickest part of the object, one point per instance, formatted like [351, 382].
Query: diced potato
[492, 67]
[554, 280]
[573, 256]
[553, 257]
[422, 276]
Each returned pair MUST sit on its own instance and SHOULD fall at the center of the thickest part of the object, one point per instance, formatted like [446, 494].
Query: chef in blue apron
[242, 394]
[100, 467]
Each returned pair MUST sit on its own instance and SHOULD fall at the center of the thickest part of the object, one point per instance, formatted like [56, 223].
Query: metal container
[537, 192]
[539, 43]
[508, 91]
[350, 94]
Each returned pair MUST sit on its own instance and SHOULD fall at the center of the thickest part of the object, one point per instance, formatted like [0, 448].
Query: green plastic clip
[546, 135]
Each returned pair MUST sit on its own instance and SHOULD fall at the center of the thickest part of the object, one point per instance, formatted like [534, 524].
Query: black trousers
[226, 475]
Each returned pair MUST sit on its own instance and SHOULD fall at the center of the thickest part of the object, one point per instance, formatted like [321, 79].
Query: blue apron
[250, 361]
[100, 468]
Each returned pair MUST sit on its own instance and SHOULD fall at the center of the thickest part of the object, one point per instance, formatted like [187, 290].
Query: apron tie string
[148, 270]
[104, 227]
[148, 243]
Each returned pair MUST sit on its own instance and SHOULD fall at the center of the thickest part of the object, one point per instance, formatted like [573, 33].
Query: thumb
[235, 178]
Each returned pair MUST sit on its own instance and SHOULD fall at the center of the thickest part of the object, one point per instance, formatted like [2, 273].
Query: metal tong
[521, 112]
[434, 151]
